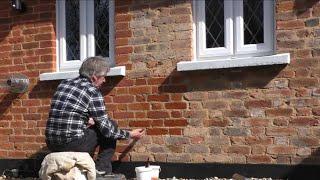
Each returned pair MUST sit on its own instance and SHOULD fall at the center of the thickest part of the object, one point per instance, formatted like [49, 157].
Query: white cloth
[67, 166]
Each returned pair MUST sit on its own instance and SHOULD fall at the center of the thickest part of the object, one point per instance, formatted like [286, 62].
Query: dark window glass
[253, 21]
[214, 23]
[101, 27]
[72, 30]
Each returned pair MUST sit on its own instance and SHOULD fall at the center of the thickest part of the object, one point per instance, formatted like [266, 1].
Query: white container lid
[143, 169]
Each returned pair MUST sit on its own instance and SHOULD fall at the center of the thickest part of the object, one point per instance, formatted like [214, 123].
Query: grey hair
[96, 65]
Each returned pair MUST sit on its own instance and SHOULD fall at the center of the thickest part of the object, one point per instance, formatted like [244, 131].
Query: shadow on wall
[307, 168]
[303, 5]
[6, 102]
[221, 79]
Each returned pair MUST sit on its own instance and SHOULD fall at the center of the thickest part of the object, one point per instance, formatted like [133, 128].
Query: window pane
[253, 21]
[72, 30]
[101, 27]
[214, 23]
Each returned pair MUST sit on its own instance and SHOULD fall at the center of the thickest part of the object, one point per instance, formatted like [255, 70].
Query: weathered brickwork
[267, 114]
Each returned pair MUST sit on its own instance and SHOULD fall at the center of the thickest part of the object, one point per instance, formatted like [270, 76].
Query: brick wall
[266, 114]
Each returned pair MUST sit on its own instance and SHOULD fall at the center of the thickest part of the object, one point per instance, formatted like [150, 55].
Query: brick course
[246, 115]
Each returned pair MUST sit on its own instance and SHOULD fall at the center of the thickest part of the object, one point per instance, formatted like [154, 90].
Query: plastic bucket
[155, 172]
[148, 173]
[143, 173]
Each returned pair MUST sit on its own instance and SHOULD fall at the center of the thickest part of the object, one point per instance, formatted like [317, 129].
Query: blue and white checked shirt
[72, 104]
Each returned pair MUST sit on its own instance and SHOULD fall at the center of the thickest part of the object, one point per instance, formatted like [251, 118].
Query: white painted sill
[231, 63]
[115, 71]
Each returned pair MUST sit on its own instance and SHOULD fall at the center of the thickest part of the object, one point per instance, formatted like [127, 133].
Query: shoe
[100, 173]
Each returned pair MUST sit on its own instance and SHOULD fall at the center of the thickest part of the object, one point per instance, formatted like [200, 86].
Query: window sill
[115, 71]
[231, 63]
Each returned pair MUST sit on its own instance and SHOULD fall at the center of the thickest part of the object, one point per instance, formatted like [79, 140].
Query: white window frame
[268, 36]
[203, 51]
[87, 40]
[70, 69]
[235, 53]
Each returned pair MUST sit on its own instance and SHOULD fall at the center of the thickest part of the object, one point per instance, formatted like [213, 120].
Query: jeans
[88, 143]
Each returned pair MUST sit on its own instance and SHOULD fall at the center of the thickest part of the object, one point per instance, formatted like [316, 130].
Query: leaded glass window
[253, 21]
[72, 30]
[101, 27]
[234, 28]
[84, 29]
[215, 23]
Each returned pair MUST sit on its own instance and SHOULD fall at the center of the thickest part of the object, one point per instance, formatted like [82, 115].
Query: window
[233, 33]
[84, 29]
[227, 28]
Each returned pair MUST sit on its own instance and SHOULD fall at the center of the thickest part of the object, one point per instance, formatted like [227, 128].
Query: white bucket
[155, 172]
[147, 173]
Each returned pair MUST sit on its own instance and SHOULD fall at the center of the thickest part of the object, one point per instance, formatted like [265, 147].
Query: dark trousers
[88, 143]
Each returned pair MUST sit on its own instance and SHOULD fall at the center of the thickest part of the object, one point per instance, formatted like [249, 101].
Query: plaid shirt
[73, 103]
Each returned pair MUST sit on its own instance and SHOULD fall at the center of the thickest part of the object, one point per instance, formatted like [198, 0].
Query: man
[78, 121]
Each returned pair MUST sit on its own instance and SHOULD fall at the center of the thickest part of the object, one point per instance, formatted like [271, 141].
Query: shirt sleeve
[97, 111]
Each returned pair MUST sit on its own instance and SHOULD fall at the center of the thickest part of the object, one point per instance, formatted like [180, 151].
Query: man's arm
[97, 111]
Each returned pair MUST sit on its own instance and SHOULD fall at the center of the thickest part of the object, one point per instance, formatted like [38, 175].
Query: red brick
[123, 99]
[157, 131]
[292, 24]
[215, 122]
[157, 81]
[175, 131]
[124, 50]
[139, 106]
[236, 113]
[258, 104]
[123, 18]
[276, 150]
[45, 51]
[304, 121]
[5, 131]
[254, 122]
[30, 45]
[140, 90]
[126, 82]
[157, 123]
[33, 131]
[123, 34]
[31, 102]
[17, 154]
[157, 114]
[280, 131]
[122, 58]
[176, 114]
[45, 44]
[44, 37]
[236, 149]
[123, 115]
[140, 123]
[18, 124]
[279, 112]
[259, 159]
[286, 6]
[303, 82]
[254, 140]
[175, 122]
[159, 97]
[176, 105]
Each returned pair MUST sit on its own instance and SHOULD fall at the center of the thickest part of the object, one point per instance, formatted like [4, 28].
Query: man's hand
[136, 133]
[90, 122]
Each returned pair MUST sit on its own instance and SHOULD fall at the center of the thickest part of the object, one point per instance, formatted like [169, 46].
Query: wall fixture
[18, 83]
[18, 5]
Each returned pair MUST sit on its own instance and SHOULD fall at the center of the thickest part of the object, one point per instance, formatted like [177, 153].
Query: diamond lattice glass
[101, 27]
[214, 23]
[72, 30]
[253, 21]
